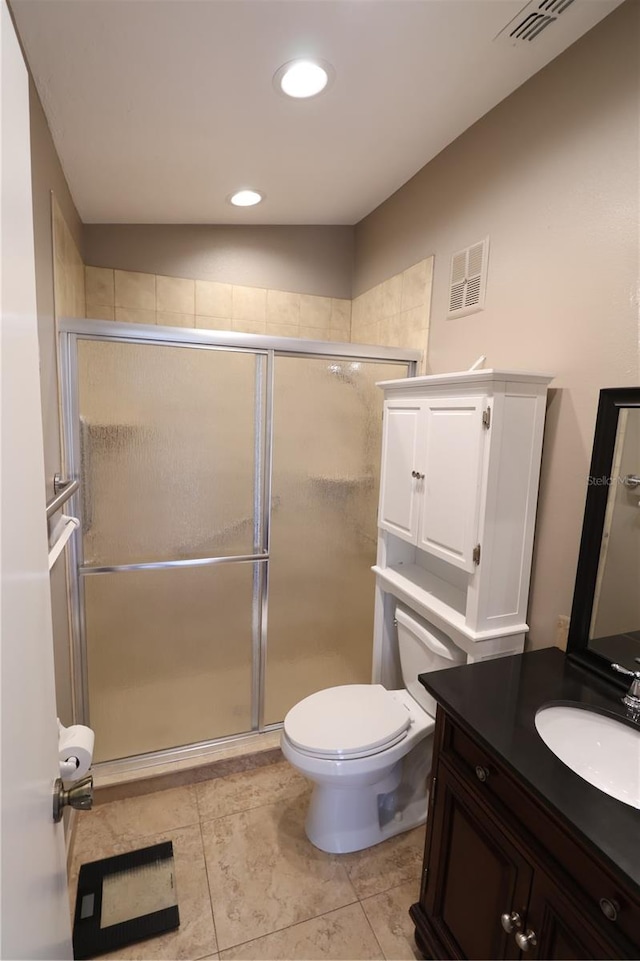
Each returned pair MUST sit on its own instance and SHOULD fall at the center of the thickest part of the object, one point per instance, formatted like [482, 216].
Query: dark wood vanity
[523, 858]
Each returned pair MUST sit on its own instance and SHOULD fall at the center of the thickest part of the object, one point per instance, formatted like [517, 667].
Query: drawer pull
[526, 940]
[511, 922]
[481, 773]
[609, 909]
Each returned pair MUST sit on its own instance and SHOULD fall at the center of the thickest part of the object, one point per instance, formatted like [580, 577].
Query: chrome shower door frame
[265, 349]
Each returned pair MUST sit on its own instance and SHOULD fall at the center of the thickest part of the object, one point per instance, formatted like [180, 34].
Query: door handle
[80, 796]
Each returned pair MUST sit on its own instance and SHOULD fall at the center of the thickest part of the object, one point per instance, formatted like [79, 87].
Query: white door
[34, 905]
[402, 459]
[451, 495]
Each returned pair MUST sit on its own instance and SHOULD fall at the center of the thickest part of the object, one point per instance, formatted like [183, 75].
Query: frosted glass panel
[169, 656]
[326, 462]
[168, 444]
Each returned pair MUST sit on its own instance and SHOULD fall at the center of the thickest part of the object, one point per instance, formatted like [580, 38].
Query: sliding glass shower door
[327, 416]
[228, 502]
[171, 441]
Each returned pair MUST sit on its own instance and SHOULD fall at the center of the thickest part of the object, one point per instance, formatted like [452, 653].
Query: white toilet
[366, 749]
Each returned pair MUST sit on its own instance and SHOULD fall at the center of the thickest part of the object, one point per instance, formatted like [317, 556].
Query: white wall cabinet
[431, 469]
[458, 492]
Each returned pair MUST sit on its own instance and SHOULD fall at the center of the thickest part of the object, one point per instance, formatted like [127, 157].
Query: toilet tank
[423, 648]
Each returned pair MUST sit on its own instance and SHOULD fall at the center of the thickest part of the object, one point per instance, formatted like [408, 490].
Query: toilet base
[344, 819]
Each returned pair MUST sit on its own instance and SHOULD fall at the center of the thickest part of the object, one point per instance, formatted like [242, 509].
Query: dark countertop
[498, 700]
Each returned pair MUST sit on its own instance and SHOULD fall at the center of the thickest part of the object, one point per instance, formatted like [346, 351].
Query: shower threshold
[192, 763]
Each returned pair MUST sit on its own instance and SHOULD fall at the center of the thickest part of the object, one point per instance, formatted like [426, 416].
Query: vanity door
[556, 930]
[474, 876]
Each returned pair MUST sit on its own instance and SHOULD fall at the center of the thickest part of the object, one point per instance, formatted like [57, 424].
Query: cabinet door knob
[414, 473]
[609, 908]
[481, 773]
[417, 475]
[511, 922]
[526, 940]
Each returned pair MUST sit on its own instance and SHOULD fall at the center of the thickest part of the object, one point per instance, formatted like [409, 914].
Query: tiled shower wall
[394, 313]
[68, 268]
[136, 298]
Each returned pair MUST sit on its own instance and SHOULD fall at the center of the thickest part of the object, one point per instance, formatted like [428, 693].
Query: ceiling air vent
[468, 279]
[532, 20]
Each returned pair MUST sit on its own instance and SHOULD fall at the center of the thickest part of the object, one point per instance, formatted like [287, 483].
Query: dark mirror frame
[612, 400]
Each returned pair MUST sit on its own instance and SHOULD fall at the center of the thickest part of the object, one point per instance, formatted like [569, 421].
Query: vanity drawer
[541, 830]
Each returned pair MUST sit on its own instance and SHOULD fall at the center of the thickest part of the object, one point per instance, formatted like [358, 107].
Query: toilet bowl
[367, 749]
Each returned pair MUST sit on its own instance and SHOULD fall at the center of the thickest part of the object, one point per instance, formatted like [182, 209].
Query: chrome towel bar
[63, 491]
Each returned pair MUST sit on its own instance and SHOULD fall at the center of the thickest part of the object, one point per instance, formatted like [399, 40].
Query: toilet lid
[346, 721]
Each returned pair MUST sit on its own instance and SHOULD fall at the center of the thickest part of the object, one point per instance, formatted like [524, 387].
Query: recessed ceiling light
[245, 198]
[303, 78]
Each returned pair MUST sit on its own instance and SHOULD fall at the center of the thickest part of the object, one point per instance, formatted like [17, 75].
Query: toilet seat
[350, 721]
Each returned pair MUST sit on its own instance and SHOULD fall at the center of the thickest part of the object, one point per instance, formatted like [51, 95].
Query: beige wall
[552, 175]
[305, 260]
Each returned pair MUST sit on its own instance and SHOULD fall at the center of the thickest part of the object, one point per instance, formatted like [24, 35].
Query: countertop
[498, 699]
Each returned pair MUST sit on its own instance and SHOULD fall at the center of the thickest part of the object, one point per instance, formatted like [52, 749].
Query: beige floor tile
[386, 865]
[137, 817]
[341, 934]
[388, 915]
[249, 789]
[265, 875]
[195, 938]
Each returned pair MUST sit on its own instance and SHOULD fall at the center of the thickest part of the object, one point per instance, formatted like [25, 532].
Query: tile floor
[250, 884]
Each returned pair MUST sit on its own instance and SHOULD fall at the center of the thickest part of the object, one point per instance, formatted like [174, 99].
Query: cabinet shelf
[427, 591]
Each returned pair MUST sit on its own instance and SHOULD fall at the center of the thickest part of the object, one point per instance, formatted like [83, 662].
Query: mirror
[605, 617]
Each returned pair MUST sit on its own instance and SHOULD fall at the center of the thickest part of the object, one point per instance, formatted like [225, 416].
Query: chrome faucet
[631, 700]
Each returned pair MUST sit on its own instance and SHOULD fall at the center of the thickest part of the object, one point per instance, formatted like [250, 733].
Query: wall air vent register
[532, 20]
[468, 281]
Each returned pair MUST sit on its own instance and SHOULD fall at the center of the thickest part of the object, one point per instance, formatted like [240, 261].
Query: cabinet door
[474, 875]
[453, 476]
[402, 458]
[561, 931]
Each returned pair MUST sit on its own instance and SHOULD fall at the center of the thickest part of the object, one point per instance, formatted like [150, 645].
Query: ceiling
[160, 109]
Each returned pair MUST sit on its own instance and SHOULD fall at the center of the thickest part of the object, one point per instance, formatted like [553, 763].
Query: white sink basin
[603, 751]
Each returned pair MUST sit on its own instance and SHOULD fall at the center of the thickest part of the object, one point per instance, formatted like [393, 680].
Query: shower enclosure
[228, 492]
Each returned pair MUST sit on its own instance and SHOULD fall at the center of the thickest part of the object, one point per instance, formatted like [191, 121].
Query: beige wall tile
[213, 299]
[68, 270]
[414, 281]
[249, 303]
[214, 323]
[357, 312]
[176, 294]
[341, 314]
[100, 286]
[283, 307]
[314, 333]
[129, 315]
[170, 319]
[250, 326]
[315, 311]
[391, 296]
[342, 336]
[283, 330]
[100, 312]
[136, 290]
